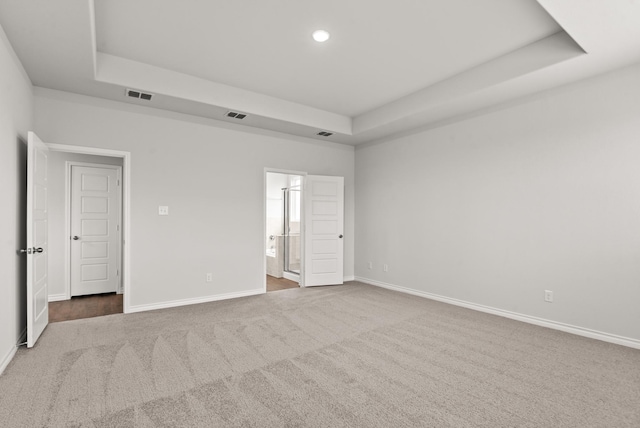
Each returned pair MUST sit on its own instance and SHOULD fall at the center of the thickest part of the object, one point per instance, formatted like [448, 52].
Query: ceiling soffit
[66, 57]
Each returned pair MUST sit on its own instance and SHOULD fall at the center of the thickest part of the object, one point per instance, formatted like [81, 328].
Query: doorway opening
[88, 215]
[283, 230]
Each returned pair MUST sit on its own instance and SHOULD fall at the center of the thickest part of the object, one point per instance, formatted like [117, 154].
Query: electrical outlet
[385, 268]
[370, 264]
[163, 210]
[548, 296]
[209, 277]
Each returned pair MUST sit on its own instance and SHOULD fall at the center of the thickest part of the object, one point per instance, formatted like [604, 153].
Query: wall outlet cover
[548, 296]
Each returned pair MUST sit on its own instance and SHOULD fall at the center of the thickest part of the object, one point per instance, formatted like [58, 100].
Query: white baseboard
[12, 352]
[57, 297]
[567, 328]
[7, 358]
[349, 278]
[184, 302]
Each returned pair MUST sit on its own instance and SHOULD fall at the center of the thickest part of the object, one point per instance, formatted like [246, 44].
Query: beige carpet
[343, 356]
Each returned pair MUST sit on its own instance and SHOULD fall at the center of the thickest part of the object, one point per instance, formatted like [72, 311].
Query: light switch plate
[163, 210]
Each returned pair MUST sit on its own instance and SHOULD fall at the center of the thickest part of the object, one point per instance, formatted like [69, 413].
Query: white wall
[210, 174]
[16, 118]
[496, 209]
[57, 239]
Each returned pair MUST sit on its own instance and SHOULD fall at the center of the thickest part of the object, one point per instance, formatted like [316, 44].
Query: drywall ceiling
[388, 67]
[379, 51]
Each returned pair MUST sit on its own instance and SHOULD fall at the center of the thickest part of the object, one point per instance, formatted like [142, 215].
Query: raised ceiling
[389, 67]
[379, 51]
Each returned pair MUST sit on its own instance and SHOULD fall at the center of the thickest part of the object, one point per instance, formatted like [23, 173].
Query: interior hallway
[90, 306]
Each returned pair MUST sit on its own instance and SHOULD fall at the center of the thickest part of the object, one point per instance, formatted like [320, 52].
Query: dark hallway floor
[85, 307]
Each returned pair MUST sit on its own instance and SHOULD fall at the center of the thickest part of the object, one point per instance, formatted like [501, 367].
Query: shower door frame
[286, 229]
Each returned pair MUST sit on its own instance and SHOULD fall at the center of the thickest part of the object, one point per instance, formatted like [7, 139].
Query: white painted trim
[12, 352]
[7, 358]
[567, 328]
[68, 166]
[57, 297]
[185, 302]
[126, 208]
[67, 230]
[348, 278]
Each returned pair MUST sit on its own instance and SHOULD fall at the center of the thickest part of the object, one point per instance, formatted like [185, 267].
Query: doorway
[86, 268]
[304, 228]
[43, 252]
[283, 230]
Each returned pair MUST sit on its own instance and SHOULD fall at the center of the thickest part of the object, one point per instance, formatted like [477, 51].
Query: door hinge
[118, 228]
[118, 182]
[117, 272]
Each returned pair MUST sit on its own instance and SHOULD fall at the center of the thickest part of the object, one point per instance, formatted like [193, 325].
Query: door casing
[125, 258]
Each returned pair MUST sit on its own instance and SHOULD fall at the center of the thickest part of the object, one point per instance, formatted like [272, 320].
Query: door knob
[339, 236]
[32, 250]
[75, 238]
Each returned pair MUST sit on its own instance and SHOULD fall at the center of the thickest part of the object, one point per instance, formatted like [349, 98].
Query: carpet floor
[341, 356]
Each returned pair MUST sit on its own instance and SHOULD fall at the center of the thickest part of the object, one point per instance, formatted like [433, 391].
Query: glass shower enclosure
[291, 227]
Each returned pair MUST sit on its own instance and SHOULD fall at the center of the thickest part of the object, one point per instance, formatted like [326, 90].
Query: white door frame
[303, 175]
[125, 209]
[67, 221]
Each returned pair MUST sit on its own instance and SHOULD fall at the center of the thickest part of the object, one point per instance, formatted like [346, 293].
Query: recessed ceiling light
[321, 36]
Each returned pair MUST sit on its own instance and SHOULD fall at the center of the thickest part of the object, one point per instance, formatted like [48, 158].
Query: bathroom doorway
[283, 230]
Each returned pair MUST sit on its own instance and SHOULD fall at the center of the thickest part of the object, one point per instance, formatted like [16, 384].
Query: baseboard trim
[7, 358]
[12, 352]
[185, 302]
[57, 297]
[349, 278]
[567, 328]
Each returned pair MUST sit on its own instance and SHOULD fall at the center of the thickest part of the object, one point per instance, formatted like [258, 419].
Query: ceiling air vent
[137, 94]
[236, 115]
[325, 133]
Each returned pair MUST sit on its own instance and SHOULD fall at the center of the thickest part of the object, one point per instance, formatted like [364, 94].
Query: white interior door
[95, 230]
[37, 239]
[324, 229]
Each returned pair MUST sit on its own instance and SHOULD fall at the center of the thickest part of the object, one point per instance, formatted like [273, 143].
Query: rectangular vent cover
[236, 115]
[138, 94]
[325, 133]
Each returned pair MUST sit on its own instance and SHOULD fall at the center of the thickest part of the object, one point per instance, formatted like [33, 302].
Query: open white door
[37, 239]
[324, 229]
